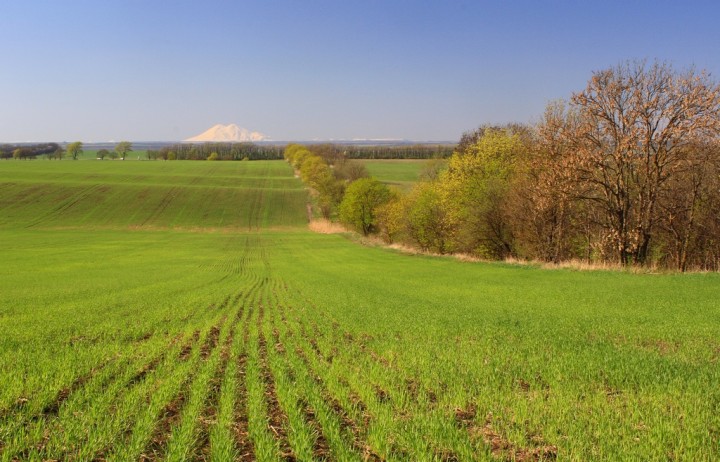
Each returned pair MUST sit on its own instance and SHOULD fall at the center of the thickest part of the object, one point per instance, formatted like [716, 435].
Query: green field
[402, 173]
[181, 311]
[112, 194]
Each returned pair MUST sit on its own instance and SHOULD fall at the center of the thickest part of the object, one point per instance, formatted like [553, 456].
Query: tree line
[229, 151]
[25, 151]
[326, 170]
[251, 151]
[217, 151]
[54, 151]
[414, 151]
[627, 171]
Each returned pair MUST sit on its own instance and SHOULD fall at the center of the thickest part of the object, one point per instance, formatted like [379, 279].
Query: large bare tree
[636, 121]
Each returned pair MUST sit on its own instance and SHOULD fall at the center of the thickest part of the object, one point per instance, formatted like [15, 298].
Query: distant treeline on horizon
[264, 150]
[258, 151]
[27, 150]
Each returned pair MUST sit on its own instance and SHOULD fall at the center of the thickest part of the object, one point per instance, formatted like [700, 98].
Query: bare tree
[634, 122]
[543, 195]
[689, 205]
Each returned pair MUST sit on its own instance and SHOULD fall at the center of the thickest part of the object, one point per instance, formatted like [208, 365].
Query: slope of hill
[115, 195]
[227, 133]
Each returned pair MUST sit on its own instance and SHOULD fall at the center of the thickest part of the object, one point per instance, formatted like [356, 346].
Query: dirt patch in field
[146, 369]
[211, 342]
[382, 395]
[188, 346]
[446, 455]
[661, 347]
[501, 448]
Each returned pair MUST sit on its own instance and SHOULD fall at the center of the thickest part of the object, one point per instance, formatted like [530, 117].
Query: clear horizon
[322, 70]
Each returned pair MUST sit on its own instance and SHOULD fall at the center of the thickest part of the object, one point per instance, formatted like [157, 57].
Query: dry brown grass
[323, 226]
[577, 265]
[406, 249]
[583, 265]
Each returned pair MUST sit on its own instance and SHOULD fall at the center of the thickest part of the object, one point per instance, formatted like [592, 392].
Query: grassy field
[111, 194]
[402, 173]
[181, 311]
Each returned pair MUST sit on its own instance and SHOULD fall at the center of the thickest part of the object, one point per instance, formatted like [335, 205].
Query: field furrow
[278, 422]
[242, 446]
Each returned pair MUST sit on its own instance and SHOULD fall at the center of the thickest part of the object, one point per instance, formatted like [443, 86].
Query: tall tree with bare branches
[635, 121]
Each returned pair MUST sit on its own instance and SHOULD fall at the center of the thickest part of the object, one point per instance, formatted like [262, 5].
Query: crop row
[253, 377]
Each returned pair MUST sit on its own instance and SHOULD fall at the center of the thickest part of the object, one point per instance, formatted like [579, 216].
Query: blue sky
[102, 70]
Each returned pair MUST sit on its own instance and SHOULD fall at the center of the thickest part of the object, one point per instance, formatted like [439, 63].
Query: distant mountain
[227, 133]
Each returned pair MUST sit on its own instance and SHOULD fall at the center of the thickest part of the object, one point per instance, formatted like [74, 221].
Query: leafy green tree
[429, 221]
[314, 171]
[123, 148]
[59, 153]
[17, 153]
[392, 217]
[101, 154]
[75, 149]
[359, 206]
[473, 190]
[330, 193]
[319, 177]
[299, 158]
[291, 150]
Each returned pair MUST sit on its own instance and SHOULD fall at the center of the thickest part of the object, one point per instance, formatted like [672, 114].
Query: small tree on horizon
[123, 148]
[75, 149]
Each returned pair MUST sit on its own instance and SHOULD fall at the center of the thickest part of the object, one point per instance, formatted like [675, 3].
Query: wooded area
[27, 151]
[626, 172]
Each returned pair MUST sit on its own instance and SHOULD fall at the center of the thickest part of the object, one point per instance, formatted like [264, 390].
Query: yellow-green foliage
[391, 217]
[314, 171]
[461, 209]
[360, 203]
[296, 154]
[473, 190]
[492, 157]
[428, 218]
[316, 174]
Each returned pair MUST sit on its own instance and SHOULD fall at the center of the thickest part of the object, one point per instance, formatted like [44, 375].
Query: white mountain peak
[227, 133]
